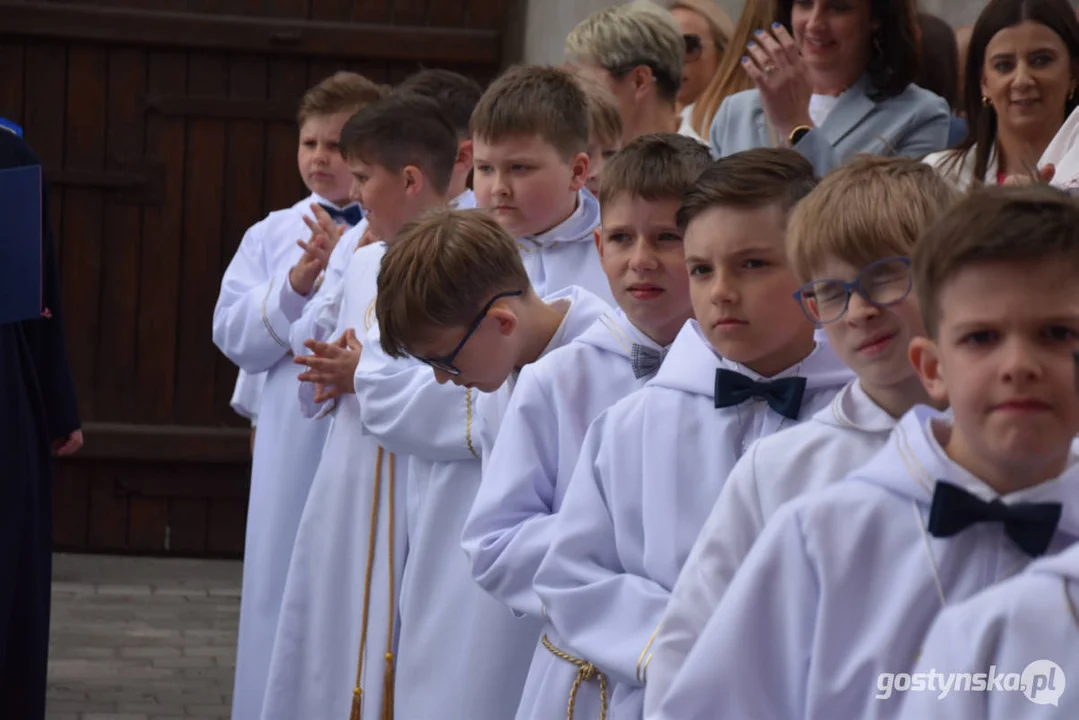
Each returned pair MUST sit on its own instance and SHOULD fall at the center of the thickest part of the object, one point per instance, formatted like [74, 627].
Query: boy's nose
[442, 377]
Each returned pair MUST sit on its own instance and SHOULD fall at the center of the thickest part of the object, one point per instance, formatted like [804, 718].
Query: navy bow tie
[1029, 525]
[351, 216]
[645, 360]
[784, 396]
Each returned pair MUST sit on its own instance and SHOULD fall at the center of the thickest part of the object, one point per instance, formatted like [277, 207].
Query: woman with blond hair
[729, 77]
[706, 30]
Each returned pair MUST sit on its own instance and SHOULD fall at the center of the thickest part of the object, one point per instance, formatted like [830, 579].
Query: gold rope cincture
[388, 671]
[585, 671]
[357, 692]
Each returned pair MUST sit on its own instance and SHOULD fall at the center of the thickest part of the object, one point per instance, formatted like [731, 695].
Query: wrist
[299, 281]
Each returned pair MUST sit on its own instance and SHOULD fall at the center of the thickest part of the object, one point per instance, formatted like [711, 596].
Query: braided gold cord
[585, 671]
[357, 692]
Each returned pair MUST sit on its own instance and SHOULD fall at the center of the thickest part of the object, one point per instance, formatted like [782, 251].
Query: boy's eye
[518, 167]
[309, 143]
[979, 338]
[482, 169]
[618, 237]
[699, 270]
[1060, 333]
[754, 264]
[670, 237]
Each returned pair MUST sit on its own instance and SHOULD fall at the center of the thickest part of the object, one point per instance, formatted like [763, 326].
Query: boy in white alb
[264, 290]
[455, 295]
[844, 583]
[525, 477]
[653, 464]
[856, 268]
[338, 619]
[457, 95]
[1005, 653]
[530, 135]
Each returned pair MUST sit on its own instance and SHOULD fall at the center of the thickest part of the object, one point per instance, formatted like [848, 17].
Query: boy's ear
[925, 357]
[505, 317]
[597, 237]
[464, 153]
[579, 164]
[415, 182]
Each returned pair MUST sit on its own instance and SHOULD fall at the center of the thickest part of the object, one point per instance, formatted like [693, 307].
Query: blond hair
[340, 92]
[730, 78]
[660, 166]
[604, 118]
[442, 269]
[622, 37]
[871, 208]
[533, 100]
[718, 21]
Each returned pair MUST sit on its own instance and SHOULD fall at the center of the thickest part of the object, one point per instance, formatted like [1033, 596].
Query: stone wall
[539, 27]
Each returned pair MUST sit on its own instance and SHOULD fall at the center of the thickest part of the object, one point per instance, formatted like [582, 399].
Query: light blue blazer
[913, 123]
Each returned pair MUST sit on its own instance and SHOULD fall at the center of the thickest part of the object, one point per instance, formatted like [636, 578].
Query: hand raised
[775, 65]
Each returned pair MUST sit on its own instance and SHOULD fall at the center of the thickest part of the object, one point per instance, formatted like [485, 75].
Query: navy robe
[37, 407]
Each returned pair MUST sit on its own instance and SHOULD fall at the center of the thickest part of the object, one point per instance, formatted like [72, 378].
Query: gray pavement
[142, 638]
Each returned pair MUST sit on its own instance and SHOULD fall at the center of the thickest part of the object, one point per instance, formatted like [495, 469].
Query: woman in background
[1021, 79]
[832, 80]
[707, 31]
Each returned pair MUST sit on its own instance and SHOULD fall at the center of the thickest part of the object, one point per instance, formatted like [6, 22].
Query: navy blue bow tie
[784, 396]
[351, 216]
[1029, 525]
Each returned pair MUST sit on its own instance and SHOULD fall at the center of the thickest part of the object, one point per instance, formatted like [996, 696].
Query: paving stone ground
[142, 638]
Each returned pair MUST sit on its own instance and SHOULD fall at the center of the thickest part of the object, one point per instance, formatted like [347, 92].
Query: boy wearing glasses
[652, 465]
[454, 294]
[856, 269]
[829, 612]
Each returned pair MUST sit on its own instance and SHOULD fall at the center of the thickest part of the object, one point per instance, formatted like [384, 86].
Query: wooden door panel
[167, 128]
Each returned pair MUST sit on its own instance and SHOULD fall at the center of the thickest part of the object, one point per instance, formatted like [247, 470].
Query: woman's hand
[775, 65]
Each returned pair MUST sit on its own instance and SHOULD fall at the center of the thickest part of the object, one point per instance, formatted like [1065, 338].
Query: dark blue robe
[37, 407]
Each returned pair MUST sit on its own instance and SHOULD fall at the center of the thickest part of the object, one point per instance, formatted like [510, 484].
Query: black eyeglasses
[694, 47]
[445, 363]
[881, 283]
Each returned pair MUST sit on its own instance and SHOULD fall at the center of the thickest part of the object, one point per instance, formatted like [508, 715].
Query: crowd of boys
[685, 438]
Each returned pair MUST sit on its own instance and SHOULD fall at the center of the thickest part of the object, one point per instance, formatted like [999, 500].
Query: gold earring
[986, 101]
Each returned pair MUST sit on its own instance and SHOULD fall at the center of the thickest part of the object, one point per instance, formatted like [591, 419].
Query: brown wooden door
[166, 128]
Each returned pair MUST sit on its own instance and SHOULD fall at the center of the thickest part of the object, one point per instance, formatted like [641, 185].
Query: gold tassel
[357, 703]
[387, 688]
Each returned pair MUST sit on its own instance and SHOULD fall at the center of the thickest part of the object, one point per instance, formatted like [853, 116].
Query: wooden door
[167, 128]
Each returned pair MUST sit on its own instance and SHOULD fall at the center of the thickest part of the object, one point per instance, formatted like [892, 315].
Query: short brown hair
[994, 224]
[443, 268]
[403, 130]
[750, 179]
[871, 208]
[340, 92]
[659, 166]
[531, 100]
[604, 117]
[456, 94]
